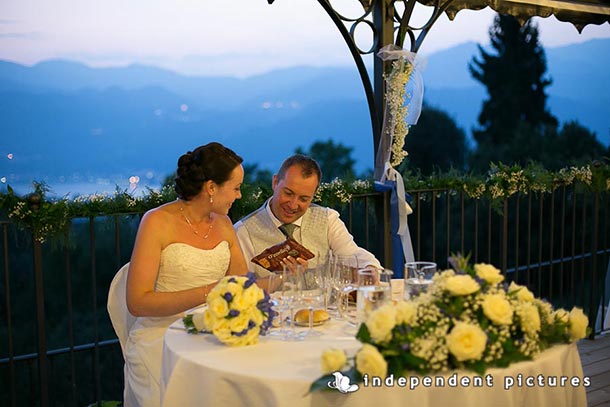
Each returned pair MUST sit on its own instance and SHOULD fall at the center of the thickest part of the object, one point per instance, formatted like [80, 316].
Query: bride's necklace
[195, 231]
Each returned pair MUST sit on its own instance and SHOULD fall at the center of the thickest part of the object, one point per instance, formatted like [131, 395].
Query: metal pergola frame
[392, 25]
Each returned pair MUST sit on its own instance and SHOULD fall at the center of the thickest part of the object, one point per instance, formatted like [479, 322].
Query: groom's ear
[274, 181]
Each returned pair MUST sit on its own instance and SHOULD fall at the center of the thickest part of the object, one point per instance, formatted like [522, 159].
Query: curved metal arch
[338, 20]
[388, 26]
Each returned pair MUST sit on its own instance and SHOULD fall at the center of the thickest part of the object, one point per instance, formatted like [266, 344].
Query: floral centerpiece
[238, 312]
[468, 319]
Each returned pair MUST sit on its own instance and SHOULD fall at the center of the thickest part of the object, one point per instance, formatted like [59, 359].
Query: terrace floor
[595, 358]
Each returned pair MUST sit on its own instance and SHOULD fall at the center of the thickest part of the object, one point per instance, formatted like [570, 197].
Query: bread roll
[302, 316]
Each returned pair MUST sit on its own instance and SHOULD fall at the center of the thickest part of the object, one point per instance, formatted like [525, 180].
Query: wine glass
[312, 295]
[345, 282]
[284, 289]
[275, 289]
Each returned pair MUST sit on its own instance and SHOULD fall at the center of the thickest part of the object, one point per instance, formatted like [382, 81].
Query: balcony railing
[53, 295]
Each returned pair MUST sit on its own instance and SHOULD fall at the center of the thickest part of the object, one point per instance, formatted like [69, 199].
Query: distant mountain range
[65, 122]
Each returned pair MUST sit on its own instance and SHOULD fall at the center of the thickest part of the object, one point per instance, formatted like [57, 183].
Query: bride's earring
[211, 199]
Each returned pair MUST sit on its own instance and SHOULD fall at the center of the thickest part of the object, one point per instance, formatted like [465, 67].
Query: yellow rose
[578, 324]
[218, 307]
[235, 288]
[523, 294]
[221, 330]
[562, 315]
[255, 315]
[239, 323]
[252, 295]
[208, 320]
[461, 284]
[466, 341]
[333, 360]
[488, 273]
[530, 318]
[406, 311]
[380, 323]
[497, 308]
[370, 362]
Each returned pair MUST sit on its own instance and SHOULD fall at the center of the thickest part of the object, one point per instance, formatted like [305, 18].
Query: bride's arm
[142, 300]
[237, 266]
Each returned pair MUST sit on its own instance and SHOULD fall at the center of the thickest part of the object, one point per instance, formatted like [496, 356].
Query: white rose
[333, 360]
[497, 308]
[406, 311]
[461, 284]
[381, 322]
[523, 294]
[370, 362]
[488, 273]
[199, 321]
[466, 341]
[578, 324]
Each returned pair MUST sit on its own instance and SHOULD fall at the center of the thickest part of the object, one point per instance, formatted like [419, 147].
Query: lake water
[73, 189]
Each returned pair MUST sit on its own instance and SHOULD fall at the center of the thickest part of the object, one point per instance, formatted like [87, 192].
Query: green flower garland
[50, 218]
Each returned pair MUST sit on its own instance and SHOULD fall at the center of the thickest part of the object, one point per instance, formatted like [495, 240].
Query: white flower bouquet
[238, 312]
[468, 319]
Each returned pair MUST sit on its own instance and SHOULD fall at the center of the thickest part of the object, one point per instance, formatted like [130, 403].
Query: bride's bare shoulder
[163, 214]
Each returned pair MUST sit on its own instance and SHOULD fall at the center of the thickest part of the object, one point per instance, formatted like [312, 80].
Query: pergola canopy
[578, 12]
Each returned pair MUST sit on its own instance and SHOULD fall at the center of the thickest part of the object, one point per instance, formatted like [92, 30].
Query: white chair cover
[121, 319]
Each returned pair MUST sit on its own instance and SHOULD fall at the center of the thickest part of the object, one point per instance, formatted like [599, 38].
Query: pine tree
[514, 121]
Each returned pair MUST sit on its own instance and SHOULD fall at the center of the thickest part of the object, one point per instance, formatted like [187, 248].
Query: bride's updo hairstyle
[212, 161]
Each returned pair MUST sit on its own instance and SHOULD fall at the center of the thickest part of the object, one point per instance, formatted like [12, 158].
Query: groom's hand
[291, 263]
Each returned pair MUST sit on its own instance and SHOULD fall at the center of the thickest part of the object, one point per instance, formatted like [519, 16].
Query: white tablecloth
[199, 371]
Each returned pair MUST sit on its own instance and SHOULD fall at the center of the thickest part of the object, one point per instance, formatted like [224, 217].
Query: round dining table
[198, 370]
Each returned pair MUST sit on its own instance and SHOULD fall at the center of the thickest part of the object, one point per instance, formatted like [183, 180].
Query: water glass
[374, 290]
[418, 276]
[284, 290]
[344, 282]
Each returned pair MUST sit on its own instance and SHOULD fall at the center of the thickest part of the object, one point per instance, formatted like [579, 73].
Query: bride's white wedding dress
[181, 267]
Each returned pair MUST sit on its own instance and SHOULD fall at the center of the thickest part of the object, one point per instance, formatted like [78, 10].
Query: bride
[181, 250]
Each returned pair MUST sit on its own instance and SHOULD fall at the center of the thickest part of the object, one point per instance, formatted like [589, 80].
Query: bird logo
[342, 383]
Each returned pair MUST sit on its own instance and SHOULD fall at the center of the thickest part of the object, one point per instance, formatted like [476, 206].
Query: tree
[515, 116]
[435, 143]
[576, 145]
[335, 159]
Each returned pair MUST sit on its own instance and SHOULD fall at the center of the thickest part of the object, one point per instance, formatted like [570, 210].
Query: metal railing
[53, 296]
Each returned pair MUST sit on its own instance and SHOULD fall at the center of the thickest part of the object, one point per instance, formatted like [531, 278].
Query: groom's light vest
[263, 233]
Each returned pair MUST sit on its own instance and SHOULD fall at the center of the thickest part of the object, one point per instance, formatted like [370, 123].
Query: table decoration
[237, 312]
[469, 319]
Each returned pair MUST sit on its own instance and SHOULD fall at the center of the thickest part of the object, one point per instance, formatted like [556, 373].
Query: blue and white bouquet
[237, 312]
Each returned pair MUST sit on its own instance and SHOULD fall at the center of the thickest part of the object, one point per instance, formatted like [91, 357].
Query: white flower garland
[396, 82]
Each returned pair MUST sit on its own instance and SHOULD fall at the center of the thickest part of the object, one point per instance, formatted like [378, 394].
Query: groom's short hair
[308, 165]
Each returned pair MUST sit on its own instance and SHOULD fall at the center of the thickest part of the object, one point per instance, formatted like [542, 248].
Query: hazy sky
[231, 37]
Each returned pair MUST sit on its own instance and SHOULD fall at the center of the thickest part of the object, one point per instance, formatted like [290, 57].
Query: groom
[289, 212]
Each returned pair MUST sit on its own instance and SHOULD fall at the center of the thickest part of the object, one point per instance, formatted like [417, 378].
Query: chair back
[121, 319]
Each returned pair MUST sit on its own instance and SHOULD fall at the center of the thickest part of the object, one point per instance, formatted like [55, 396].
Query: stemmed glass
[345, 281]
[284, 289]
[312, 295]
